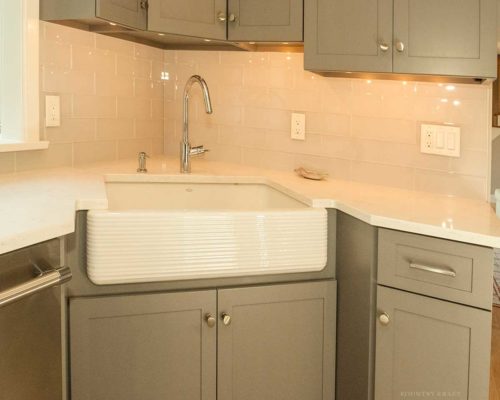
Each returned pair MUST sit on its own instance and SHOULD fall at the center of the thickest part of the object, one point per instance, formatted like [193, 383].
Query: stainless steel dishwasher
[31, 365]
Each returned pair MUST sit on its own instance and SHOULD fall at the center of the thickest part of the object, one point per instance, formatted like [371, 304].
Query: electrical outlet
[298, 129]
[442, 140]
[52, 111]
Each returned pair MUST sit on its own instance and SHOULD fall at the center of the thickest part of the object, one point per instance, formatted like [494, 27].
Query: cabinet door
[348, 35]
[280, 343]
[445, 37]
[131, 13]
[265, 21]
[140, 347]
[431, 348]
[198, 18]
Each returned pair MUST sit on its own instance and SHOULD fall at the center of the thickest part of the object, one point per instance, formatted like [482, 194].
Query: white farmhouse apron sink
[164, 231]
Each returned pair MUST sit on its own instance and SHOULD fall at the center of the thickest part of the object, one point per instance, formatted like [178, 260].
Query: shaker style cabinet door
[132, 13]
[348, 35]
[199, 18]
[277, 342]
[265, 21]
[137, 347]
[445, 37]
[430, 348]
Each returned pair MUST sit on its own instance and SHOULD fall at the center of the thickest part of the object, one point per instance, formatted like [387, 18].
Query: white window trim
[29, 139]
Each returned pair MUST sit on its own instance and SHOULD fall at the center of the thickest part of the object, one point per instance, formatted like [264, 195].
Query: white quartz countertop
[38, 206]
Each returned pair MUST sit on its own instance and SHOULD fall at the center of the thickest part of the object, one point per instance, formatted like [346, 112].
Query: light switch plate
[442, 140]
[298, 126]
[52, 111]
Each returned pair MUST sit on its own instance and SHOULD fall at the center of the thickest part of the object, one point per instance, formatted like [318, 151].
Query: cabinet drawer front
[439, 268]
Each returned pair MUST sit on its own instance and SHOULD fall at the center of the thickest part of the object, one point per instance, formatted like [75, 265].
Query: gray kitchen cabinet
[272, 342]
[430, 348]
[265, 21]
[137, 347]
[445, 37]
[277, 342]
[348, 35]
[133, 13]
[426, 37]
[130, 13]
[199, 18]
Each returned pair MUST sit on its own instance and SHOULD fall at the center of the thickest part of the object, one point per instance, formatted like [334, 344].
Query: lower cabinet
[253, 343]
[139, 347]
[428, 348]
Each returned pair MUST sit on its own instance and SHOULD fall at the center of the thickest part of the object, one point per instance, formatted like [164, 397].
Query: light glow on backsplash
[356, 129]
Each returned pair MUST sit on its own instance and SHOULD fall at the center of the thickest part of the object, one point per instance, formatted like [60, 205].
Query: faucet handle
[197, 150]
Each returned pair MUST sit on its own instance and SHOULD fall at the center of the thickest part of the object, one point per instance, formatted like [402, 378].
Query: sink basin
[161, 231]
[197, 196]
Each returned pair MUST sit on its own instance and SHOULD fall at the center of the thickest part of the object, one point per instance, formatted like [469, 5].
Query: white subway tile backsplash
[362, 130]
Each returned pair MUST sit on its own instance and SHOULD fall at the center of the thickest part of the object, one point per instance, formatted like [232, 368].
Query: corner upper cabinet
[445, 37]
[447, 356]
[133, 13]
[129, 13]
[426, 37]
[348, 35]
[265, 21]
[198, 18]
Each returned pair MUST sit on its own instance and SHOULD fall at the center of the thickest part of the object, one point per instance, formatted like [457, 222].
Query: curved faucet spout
[185, 145]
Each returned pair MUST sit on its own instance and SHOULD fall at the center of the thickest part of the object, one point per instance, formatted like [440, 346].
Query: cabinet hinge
[144, 4]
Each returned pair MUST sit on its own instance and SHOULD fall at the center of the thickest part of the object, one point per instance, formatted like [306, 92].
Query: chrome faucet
[186, 150]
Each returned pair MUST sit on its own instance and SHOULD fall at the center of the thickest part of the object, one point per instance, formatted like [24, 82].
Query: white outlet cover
[52, 111]
[298, 126]
[441, 140]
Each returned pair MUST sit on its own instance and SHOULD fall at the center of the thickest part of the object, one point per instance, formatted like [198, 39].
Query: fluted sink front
[167, 231]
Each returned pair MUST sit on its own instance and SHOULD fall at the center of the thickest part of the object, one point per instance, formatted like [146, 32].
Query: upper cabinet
[428, 37]
[234, 20]
[129, 13]
[445, 37]
[186, 23]
[348, 35]
[133, 13]
[199, 18]
[265, 21]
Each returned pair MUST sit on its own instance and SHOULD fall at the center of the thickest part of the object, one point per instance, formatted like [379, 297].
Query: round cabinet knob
[383, 46]
[221, 17]
[226, 319]
[384, 319]
[232, 18]
[400, 47]
[210, 320]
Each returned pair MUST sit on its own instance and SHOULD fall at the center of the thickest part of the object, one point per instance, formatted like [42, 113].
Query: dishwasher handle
[45, 280]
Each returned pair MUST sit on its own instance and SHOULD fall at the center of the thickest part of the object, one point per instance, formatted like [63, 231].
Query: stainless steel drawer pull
[46, 279]
[435, 270]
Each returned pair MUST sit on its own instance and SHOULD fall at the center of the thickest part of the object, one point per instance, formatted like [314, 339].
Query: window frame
[28, 136]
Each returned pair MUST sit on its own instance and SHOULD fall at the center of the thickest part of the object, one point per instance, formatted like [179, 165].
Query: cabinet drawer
[439, 268]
